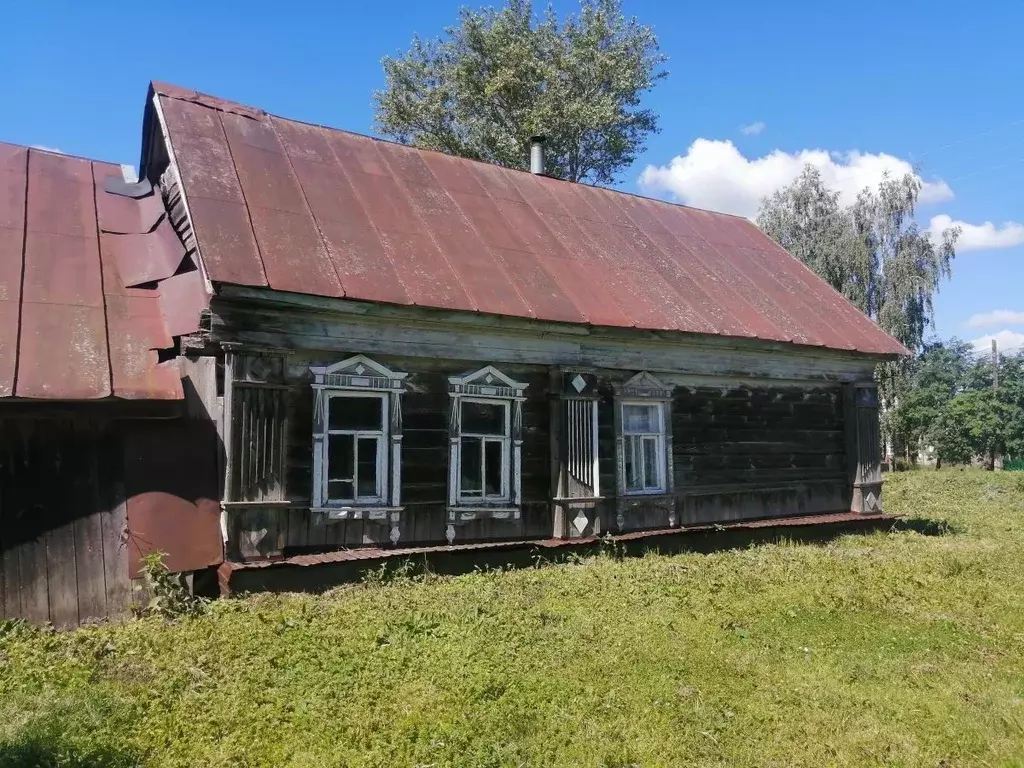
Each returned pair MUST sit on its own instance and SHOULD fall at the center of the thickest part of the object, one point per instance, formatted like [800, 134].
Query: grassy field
[895, 648]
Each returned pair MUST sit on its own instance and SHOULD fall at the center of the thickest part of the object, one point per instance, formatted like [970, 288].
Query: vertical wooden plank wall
[62, 521]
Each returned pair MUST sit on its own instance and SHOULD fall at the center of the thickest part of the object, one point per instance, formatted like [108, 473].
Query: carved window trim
[486, 385]
[645, 389]
[359, 376]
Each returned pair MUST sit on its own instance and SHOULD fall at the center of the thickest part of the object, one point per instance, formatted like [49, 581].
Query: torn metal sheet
[147, 258]
[70, 324]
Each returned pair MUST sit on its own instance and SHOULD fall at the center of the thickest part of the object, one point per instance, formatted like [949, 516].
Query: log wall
[740, 452]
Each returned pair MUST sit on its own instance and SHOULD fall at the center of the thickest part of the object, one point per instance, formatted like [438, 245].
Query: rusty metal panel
[689, 276]
[136, 331]
[13, 178]
[490, 288]
[226, 241]
[588, 297]
[125, 215]
[171, 486]
[63, 353]
[182, 300]
[397, 224]
[353, 245]
[146, 258]
[626, 248]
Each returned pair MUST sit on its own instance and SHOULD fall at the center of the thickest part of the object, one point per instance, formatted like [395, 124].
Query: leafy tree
[874, 253]
[936, 377]
[950, 404]
[503, 75]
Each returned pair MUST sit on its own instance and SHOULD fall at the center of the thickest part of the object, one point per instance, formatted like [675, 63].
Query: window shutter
[259, 426]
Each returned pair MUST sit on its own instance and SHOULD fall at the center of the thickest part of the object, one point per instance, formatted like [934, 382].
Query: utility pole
[997, 454]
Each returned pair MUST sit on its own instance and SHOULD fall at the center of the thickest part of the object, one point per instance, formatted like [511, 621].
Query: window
[643, 434]
[357, 434]
[486, 445]
[356, 448]
[643, 437]
[484, 450]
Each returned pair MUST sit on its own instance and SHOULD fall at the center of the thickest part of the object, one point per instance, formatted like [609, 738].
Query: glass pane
[483, 418]
[355, 413]
[367, 466]
[651, 463]
[471, 469]
[492, 468]
[339, 490]
[634, 482]
[638, 419]
[340, 457]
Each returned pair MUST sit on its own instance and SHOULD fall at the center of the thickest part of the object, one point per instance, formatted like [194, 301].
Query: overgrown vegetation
[950, 404]
[900, 648]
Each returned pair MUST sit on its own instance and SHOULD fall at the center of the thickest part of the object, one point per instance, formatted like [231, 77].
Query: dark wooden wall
[63, 521]
[739, 453]
[82, 497]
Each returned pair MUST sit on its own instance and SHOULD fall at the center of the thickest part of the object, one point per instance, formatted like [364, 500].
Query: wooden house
[394, 348]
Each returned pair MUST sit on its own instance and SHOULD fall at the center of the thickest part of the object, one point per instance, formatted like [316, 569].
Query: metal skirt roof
[307, 209]
[73, 326]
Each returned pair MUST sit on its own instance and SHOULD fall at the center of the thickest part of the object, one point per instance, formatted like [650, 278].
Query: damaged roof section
[307, 209]
[82, 312]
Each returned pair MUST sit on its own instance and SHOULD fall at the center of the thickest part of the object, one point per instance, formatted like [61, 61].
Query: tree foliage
[951, 405]
[873, 251]
[503, 75]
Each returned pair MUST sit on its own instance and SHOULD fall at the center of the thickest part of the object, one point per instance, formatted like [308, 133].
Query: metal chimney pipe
[537, 155]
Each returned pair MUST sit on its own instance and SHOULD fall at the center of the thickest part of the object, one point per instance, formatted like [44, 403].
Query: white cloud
[1009, 342]
[994, 318]
[753, 129]
[980, 237]
[48, 149]
[714, 174]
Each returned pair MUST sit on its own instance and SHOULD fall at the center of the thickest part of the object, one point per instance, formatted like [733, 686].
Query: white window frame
[643, 437]
[644, 389]
[491, 386]
[505, 441]
[358, 376]
[381, 459]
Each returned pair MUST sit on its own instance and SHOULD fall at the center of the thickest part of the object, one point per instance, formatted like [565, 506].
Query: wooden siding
[739, 453]
[63, 525]
[71, 486]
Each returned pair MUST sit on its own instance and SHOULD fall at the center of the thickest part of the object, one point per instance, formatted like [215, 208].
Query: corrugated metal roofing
[295, 207]
[70, 328]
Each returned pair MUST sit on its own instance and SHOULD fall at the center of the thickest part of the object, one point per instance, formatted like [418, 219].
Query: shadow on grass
[926, 526]
[42, 753]
[291, 578]
[42, 748]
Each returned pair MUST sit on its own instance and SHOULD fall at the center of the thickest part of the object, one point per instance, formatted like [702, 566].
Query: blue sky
[871, 85]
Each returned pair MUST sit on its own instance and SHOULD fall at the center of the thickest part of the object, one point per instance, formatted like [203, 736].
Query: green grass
[894, 648]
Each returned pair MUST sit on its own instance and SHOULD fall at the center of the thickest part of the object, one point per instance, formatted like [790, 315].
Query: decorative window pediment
[644, 385]
[643, 437]
[487, 382]
[358, 372]
[486, 444]
[357, 439]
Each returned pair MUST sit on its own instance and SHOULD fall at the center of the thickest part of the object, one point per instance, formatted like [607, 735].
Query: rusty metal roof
[303, 208]
[71, 328]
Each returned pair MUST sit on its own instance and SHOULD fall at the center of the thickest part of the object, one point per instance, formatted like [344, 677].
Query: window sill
[465, 513]
[382, 514]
